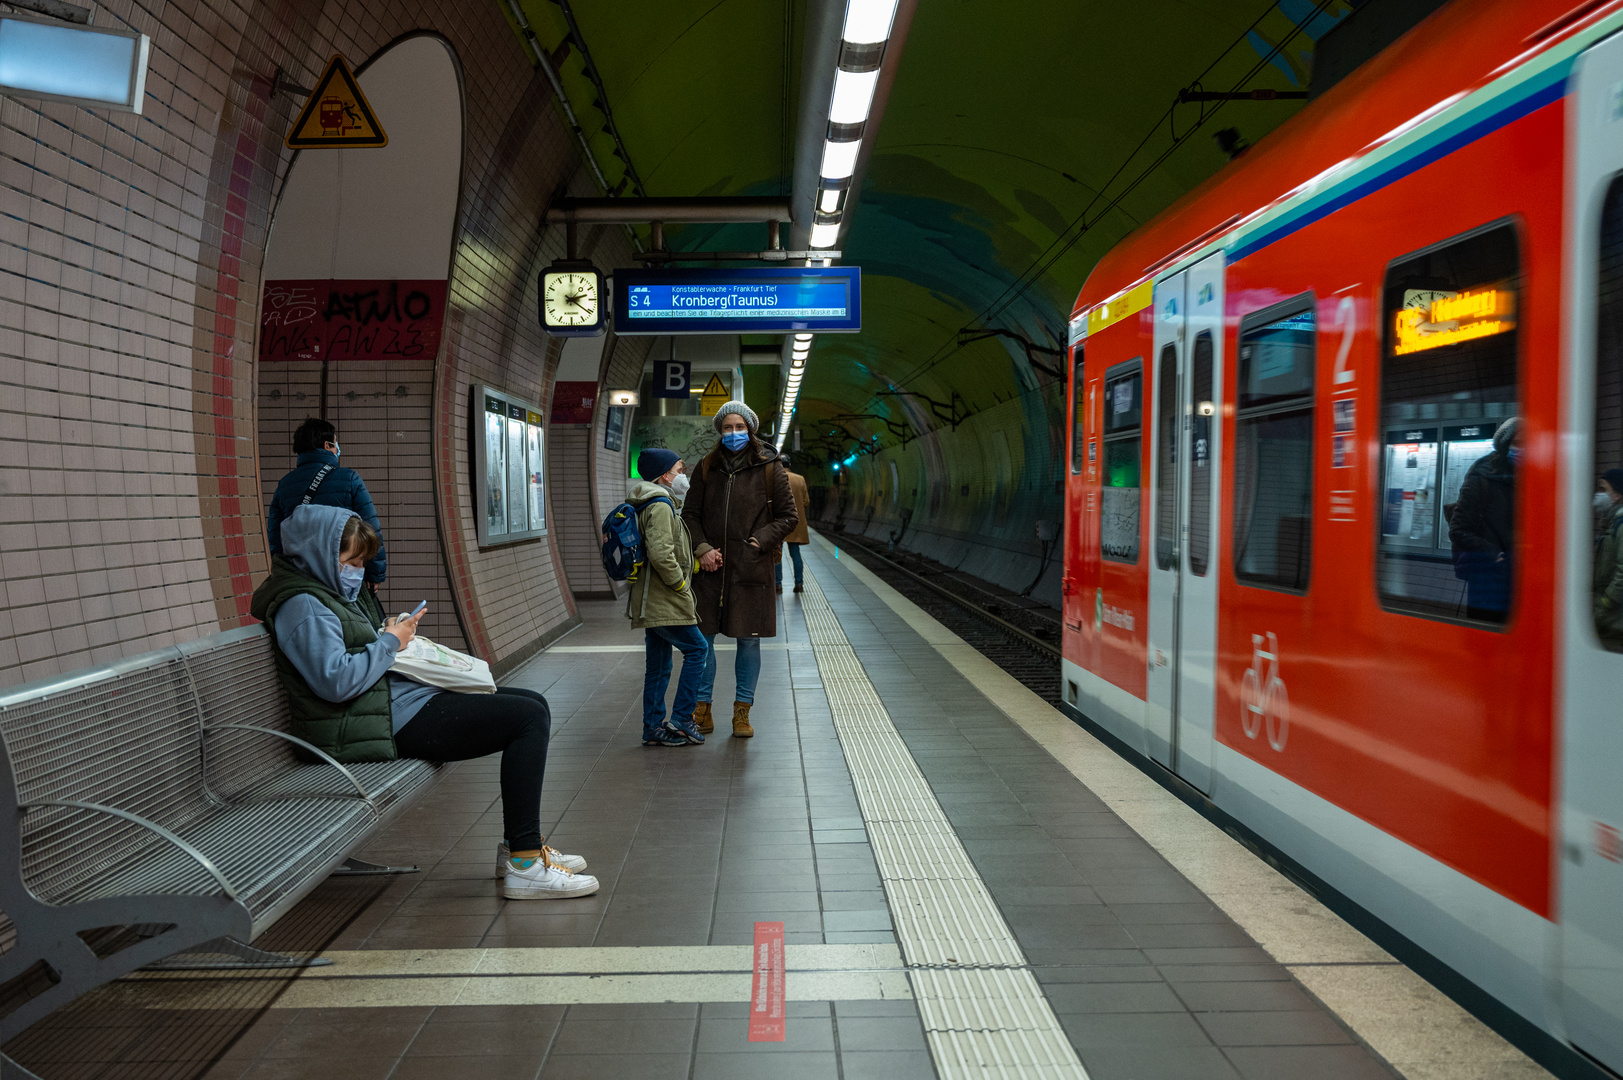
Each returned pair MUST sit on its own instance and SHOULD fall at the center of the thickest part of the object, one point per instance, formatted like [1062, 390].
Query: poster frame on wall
[492, 415]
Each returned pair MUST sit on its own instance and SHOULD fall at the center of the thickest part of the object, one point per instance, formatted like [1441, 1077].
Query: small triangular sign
[337, 114]
[713, 388]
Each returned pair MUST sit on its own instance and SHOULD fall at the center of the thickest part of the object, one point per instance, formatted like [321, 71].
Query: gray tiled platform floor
[1150, 980]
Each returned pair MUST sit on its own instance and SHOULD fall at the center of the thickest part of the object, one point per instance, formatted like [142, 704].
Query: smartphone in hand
[418, 610]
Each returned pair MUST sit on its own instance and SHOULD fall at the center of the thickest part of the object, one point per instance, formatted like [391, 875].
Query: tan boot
[702, 719]
[741, 721]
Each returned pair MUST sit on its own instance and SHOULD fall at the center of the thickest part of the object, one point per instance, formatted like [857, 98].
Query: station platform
[968, 885]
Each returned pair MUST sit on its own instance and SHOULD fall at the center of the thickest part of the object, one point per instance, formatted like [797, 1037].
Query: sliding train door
[1182, 637]
[1590, 832]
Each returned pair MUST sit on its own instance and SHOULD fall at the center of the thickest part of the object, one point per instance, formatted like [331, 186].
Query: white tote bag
[432, 664]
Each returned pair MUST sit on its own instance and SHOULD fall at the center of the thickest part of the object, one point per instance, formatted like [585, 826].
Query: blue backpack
[623, 550]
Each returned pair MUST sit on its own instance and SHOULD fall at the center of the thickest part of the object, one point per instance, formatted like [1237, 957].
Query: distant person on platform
[319, 479]
[801, 536]
[1482, 530]
[660, 602]
[739, 509]
[1608, 582]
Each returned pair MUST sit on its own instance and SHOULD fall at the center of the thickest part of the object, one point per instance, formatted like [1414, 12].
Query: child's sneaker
[573, 863]
[538, 881]
[687, 729]
[665, 736]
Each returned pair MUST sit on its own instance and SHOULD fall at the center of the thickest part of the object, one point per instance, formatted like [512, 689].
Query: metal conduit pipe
[710, 210]
[557, 88]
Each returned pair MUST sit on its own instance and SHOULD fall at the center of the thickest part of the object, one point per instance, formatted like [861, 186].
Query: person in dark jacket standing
[1483, 528]
[318, 478]
[738, 510]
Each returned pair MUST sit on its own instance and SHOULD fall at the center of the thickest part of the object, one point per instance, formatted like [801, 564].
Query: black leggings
[456, 727]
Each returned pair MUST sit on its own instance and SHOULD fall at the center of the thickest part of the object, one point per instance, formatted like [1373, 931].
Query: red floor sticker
[766, 992]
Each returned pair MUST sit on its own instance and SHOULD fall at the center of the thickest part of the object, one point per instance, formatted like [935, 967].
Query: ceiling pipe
[715, 210]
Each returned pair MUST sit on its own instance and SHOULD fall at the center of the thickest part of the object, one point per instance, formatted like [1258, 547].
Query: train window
[1273, 453]
[1123, 433]
[1200, 455]
[1166, 459]
[1607, 572]
[1079, 412]
[1448, 407]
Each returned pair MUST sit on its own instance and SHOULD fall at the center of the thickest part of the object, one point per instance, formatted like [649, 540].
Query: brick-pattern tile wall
[131, 468]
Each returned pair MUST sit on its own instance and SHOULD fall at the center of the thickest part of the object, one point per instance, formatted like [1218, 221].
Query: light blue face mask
[1516, 455]
[337, 451]
[735, 440]
[350, 579]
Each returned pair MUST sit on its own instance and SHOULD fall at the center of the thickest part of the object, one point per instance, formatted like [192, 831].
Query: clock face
[569, 298]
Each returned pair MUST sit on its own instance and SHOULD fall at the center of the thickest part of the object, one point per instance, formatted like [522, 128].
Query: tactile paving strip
[984, 1013]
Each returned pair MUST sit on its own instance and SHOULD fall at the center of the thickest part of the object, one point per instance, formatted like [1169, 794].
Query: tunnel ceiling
[1020, 142]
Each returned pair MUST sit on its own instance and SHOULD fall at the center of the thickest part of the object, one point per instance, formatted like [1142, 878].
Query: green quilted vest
[360, 729]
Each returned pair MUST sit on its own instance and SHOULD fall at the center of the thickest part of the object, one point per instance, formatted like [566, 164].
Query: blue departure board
[757, 301]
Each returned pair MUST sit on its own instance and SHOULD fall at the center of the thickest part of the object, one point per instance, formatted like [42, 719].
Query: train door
[1590, 832]
[1182, 636]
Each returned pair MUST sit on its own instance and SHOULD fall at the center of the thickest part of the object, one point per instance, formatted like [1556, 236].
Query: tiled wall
[131, 477]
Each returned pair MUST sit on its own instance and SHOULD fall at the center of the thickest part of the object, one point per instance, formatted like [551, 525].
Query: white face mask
[1602, 501]
[679, 485]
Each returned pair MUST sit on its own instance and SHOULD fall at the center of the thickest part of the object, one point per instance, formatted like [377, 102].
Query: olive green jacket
[360, 729]
[662, 588]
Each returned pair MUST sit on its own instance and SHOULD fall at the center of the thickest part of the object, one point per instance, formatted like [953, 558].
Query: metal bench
[160, 805]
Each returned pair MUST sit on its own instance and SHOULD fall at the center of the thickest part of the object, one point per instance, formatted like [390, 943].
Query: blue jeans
[696, 661]
[746, 670]
[800, 567]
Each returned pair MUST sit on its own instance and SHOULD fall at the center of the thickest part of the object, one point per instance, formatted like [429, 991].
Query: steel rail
[968, 605]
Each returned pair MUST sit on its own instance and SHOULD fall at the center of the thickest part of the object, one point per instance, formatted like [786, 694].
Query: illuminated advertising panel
[508, 467]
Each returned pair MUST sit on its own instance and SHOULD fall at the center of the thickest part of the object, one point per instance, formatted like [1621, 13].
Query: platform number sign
[672, 378]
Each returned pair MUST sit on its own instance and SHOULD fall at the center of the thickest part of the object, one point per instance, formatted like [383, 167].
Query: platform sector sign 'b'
[337, 114]
[672, 378]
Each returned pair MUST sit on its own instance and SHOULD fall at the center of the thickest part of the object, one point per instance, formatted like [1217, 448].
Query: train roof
[1464, 46]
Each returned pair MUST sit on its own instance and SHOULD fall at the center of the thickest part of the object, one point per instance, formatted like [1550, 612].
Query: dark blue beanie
[655, 462]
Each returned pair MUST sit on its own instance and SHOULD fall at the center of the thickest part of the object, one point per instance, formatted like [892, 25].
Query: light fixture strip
[862, 52]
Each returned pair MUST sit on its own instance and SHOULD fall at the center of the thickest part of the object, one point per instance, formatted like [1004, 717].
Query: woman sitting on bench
[334, 662]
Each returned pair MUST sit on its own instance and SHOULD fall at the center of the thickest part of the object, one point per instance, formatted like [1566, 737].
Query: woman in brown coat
[801, 535]
[738, 510]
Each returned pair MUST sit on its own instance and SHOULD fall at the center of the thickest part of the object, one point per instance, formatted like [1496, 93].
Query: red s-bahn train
[1336, 551]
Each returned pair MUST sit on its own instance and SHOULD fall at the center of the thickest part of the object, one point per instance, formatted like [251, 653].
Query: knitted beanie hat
[656, 461]
[751, 421]
[1506, 433]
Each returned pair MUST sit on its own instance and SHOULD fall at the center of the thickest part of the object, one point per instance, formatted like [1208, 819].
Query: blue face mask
[1516, 455]
[337, 451]
[349, 580]
[735, 440]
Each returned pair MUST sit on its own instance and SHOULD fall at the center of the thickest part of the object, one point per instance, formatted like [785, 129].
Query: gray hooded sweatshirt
[311, 636]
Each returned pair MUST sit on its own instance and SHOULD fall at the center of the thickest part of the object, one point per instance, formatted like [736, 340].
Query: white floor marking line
[386, 978]
[1413, 1025]
[720, 646]
[984, 1013]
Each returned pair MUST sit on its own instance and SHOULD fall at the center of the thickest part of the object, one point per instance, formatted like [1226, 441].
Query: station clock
[572, 299]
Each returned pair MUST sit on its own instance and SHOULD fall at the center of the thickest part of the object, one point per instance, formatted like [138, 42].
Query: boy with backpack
[660, 603]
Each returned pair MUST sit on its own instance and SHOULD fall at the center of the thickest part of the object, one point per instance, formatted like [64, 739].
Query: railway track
[988, 619]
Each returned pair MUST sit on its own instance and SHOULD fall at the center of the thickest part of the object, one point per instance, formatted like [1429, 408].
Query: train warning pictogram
[336, 115]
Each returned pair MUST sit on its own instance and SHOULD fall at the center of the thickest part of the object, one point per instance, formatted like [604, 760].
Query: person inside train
[333, 658]
[1482, 529]
[1608, 581]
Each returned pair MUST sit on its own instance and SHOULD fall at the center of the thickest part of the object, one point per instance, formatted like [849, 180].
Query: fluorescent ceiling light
[840, 159]
[92, 68]
[853, 95]
[867, 22]
[830, 201]
[803, 337]
[824, 236]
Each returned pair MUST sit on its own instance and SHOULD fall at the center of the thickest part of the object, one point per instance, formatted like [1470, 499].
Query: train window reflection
[1200, 455]
[1273, 452]
[1079, 412]
[1166, 459]
[1448, 418]
[1607, 570]
[1121, 494]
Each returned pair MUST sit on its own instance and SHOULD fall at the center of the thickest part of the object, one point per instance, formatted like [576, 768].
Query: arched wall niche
[357, 261]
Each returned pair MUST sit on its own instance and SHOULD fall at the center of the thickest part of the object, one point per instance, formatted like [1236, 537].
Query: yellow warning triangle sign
[337, 114]
[712, 397]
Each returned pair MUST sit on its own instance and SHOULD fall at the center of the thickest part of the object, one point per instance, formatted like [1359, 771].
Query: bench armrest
[150, 826]
[323, 755]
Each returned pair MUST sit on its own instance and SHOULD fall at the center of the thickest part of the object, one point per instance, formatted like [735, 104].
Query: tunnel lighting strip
[862, 51]
[984, 1013]
[791, 384]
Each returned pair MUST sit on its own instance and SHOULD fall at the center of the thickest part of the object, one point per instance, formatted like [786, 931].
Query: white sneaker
[542, 882]
[573, 863]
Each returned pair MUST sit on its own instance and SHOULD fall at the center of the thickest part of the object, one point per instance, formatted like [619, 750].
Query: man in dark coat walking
[738, 511]
[1482, 530]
